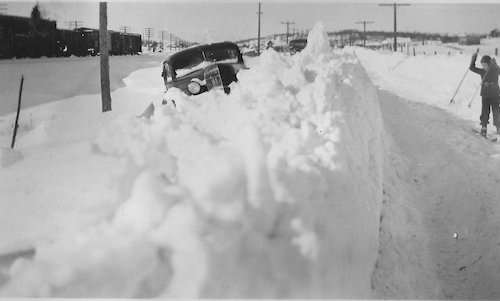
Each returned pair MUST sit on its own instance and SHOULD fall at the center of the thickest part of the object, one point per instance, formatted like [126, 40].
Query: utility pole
[288, 23]
[364, 30]
[258, 31]
[163, 34]
[104, 56]
[125, 28]
[148, 31]
[395, 5]
[74, 24]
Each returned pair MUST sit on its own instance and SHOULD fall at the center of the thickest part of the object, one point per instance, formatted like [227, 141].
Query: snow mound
[273, 191]
[140, 81]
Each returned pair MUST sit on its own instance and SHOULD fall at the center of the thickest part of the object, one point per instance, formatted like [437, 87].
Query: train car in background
[24, 37]
[124, 43]
[65, 42]
[116, 42]
[132, 43]
[88, 40]
[80, 42]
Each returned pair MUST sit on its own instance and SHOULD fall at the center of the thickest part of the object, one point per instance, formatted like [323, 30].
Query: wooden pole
[395, 5]
[104, 56]
[395, 30]
[258, 31]
[17, 115]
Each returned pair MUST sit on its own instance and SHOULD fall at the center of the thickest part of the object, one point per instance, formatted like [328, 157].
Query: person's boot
[484, 130]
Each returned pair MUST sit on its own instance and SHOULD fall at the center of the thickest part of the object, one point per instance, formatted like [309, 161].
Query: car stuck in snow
[203, 67]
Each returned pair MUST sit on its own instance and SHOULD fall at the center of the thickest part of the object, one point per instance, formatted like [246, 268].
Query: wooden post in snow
[17, 115]
[104, 56]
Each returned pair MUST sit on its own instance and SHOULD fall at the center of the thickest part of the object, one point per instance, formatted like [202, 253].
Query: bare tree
[104, 56]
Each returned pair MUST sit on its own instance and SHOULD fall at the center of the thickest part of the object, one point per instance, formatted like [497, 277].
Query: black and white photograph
[227, 149]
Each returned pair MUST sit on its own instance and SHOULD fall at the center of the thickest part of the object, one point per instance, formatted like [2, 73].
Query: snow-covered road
[51, 79]
[454, 186]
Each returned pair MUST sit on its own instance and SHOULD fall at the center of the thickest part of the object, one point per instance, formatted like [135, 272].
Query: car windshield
[187, 63]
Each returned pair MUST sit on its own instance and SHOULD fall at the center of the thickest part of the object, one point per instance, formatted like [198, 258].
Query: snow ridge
[273, 191]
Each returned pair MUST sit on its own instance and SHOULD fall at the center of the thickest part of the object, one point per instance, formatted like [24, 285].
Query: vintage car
[297, 45]
[203, 67]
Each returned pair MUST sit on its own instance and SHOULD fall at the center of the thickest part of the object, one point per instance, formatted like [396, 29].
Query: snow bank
[273, 191]
[60, 182]
[431, 80]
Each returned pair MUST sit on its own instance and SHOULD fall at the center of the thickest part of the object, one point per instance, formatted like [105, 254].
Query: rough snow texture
[273, 191]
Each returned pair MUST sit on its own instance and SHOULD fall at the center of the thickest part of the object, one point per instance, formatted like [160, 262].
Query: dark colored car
[297, 45]
[203, 67]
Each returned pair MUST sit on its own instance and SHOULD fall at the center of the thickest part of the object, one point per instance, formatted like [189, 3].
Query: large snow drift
[273, 191]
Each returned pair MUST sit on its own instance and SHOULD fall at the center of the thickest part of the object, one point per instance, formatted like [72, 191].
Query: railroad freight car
[24, 37]
[79, 42]
[132, 43]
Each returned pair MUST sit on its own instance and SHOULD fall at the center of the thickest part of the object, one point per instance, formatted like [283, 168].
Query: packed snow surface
[272, 191]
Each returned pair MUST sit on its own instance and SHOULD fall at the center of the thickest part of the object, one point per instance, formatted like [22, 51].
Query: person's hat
[486, 59]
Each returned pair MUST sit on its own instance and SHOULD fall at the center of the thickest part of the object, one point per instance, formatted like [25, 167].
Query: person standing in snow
[490, 92]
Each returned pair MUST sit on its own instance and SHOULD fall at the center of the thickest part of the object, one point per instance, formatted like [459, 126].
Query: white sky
[233, 20]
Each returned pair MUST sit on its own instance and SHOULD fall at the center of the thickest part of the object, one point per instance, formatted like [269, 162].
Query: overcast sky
[233, 20]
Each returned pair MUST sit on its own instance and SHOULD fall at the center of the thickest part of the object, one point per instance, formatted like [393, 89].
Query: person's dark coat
[489, 79]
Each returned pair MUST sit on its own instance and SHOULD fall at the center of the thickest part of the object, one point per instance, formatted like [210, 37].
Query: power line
[288, 23]
[3, 6]
[395, 5]
[148, 31]
[258, 31]
[364, 30]
[163, 35]
[125, 28]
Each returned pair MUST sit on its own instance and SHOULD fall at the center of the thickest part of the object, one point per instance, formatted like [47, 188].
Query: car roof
[199, 48]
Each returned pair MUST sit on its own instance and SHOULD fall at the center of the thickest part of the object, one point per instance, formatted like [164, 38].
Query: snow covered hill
[299, 184]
